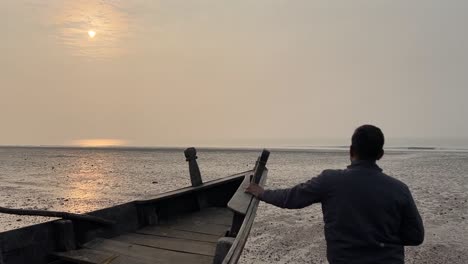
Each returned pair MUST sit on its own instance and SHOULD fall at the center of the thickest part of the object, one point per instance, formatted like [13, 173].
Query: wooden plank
[208, 216]
[157, 256]
[202, 228]
[125, 216]
[240, 201]
[238, 245]
[167, 232]
[183, 191]
[56, 214]
[176, 244]
[65, 235]
[211, 221]
[211, 215]
[31, 244]
[90, 256]
[59, 261]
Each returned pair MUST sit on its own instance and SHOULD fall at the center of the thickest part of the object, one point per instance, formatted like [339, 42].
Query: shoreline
[278, 149]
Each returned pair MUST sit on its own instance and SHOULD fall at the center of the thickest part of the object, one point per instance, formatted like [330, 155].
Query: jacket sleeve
[411, 229]
[299, 196]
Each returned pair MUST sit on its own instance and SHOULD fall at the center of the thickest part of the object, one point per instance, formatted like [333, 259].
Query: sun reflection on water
[99, 142]
[88, 184]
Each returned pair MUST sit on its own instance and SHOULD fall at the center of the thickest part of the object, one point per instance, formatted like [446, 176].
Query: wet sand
[439, 182]
[296, 236]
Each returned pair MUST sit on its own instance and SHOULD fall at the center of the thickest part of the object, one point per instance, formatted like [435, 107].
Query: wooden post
[260, 166]
[195, 175]
[148, 215]
[222, 248]
[64, 215]
[237, 220]
[65, 235]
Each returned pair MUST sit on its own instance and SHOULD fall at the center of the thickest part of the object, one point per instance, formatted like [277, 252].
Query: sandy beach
[296, 236]
[82, 181]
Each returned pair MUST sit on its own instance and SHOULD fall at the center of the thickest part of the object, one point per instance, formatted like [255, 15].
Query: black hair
[368, 142]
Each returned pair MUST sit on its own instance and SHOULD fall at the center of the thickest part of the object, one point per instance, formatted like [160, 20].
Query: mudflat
[81, 180]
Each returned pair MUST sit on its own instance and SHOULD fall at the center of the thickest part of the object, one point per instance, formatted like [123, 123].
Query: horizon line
[240, 148]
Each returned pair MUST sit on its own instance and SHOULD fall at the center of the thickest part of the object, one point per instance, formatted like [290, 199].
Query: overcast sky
[231, 73]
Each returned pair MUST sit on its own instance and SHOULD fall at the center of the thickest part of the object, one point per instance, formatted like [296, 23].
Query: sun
[91, 33]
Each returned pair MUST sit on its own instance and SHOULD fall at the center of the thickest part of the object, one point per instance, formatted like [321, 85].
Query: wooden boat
[205, 223]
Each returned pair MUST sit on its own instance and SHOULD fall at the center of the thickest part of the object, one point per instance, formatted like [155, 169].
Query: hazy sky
[263, 72]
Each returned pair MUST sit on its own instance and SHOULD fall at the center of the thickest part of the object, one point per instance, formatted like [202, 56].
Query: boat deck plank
[169, 243]
[211, 221]
[168, 232]
[240, 201]
[90, 256]
[210, 229]
[211, 215]
[189, 238]
[145, 253]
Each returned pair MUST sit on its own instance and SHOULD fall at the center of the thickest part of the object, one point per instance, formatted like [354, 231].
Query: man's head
[367, 143]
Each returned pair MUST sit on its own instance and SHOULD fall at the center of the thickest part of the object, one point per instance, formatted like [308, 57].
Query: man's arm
[412, 229]
[299, 196]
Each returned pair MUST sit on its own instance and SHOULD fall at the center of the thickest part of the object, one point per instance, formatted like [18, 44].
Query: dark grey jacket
[369, 216]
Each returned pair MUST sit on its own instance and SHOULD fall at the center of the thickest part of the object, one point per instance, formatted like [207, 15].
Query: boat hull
[38, 243]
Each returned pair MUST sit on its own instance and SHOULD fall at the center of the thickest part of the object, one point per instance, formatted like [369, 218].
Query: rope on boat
[63, 215]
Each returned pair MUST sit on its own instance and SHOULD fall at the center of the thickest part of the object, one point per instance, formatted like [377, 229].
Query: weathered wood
[29, 244]
[186, 233]
[240, 201]
[195, 175]
[238, 245]
[58, 261]
[90, 256]
[189, 190]
[126, 220]
[237, 221]
[203, 200]
[211, 221]
[64, 215]
[65, 235]
[169, 243]
[167, 232]
[222, 248]
[203, 228]
[148, 215]
[181, 205]
[261, 165]
[156, 255]
[36, 242]
[210, 215]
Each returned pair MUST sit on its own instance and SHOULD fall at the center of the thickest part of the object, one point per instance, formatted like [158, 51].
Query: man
[369, 216]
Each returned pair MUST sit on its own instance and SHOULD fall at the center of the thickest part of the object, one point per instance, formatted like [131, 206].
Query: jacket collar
[364, 164]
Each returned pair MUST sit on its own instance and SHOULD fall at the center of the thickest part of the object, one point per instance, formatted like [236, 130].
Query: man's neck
[364, 164]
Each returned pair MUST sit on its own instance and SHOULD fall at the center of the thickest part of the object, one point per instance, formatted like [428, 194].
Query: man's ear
[382, 152]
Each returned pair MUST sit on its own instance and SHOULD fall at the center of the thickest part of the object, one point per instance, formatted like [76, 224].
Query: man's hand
[254, 189]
